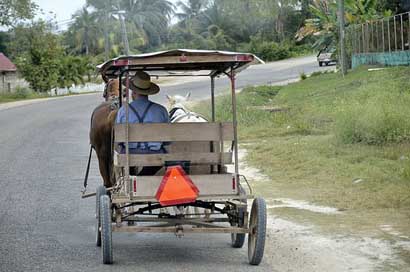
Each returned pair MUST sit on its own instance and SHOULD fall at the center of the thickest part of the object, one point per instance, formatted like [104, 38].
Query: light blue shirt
[155, 114]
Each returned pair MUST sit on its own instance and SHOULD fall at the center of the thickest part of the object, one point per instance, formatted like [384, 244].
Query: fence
[385, 41]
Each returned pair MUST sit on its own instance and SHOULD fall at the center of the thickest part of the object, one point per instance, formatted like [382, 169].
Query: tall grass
[380, 119]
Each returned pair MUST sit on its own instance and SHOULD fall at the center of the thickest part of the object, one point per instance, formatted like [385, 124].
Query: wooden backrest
[189, 142]
[175, 132]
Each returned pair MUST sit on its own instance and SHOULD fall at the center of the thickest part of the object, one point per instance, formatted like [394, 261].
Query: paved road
[270, 73]
[45, 226]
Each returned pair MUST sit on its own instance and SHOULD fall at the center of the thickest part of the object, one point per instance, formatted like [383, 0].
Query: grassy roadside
[12, 97]
[332, 141]
[18, 96]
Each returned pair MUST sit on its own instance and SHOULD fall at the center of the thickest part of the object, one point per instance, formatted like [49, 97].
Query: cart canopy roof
[179, 62]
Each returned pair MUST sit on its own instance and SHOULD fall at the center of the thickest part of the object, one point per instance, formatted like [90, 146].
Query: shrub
[21, 93]
[303, 76]
[267, 50]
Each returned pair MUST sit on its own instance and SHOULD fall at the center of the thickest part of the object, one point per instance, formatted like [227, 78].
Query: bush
[266, 50]
[21, 93]
[381, 119]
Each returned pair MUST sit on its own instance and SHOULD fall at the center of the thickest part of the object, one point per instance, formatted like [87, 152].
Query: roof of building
[6, 64]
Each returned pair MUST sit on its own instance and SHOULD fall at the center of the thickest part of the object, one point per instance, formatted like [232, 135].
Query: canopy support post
[213, 97]
[214, 168]
[231, 76]
[127, 151]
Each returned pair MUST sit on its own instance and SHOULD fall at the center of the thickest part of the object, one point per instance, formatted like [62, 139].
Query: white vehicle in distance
[326, 56]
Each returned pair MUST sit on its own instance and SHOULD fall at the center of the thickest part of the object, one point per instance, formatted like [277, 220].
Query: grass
[343, 142]
[25, 94]
[21, 94]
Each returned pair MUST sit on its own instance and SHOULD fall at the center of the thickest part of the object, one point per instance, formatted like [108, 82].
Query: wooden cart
[215, 200]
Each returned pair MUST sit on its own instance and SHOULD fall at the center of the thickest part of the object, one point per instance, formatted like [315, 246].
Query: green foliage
[12, 11]
[303, 76]
[42, 60]
[267, 50]
[20, 93]
[38, 57]
[296, 135]
[324, 24]
[382, 118]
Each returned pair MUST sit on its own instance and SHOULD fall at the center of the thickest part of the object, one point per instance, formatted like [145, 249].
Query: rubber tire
[327, 63]
[106, 229]
[238, 239]
[257, 234]
[100, 192]
[320, 63]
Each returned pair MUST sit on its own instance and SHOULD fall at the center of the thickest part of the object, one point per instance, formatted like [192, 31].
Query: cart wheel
[238, 239]
[257, 231]
[100, 192]
[106, 229]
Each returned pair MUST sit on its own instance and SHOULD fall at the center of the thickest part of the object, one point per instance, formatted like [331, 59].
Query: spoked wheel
[106, 229]
[100, 192]
[257, 231]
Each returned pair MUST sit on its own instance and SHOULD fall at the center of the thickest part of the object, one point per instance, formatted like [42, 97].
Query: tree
[86, 30]
[38, 57]
[191, 9]
[42, 60]
[324, 24]
[11, 11]
[151, 17]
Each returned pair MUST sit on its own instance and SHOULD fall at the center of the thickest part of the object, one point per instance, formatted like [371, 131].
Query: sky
[62, 9]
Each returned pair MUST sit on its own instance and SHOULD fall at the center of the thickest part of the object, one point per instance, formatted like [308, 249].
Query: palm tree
[151, 17]
[191, 9]
[86, 30]
[324, 24]
[103, 17]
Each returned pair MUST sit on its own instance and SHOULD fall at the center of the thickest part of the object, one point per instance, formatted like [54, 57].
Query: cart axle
[179, 228]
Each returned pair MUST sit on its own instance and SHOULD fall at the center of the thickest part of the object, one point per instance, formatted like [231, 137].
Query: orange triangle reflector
[176, 188]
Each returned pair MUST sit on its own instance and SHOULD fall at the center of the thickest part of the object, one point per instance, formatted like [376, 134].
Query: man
[142, 110]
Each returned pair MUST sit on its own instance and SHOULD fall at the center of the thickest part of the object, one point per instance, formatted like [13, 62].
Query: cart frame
[221, 193]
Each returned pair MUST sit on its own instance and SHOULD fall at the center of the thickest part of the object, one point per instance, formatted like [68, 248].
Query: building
[9, 77]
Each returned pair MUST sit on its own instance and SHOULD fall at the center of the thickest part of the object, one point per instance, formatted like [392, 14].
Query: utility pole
[123, 29]
[124, 32]
[342, 36]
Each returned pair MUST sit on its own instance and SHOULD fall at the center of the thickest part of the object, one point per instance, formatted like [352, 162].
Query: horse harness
[114, 104]
[175, 118]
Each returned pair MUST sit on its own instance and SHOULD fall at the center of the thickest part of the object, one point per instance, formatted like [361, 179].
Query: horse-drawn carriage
[194, 193]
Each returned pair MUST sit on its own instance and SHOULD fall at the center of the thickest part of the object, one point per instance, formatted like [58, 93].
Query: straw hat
[141, 84]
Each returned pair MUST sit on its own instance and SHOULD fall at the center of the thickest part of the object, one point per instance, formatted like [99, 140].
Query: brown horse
[102, 122]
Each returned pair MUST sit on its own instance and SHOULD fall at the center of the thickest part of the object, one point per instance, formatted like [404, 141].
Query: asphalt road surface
[46, 226]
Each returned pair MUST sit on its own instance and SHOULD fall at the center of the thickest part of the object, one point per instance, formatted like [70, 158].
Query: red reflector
[244, 57]
[183, 58]
[121, 62]
[176, 188]
[233, 183]
[135, 184]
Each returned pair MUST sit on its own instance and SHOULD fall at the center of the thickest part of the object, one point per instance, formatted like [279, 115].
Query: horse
[179, 113]
[102, 122]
